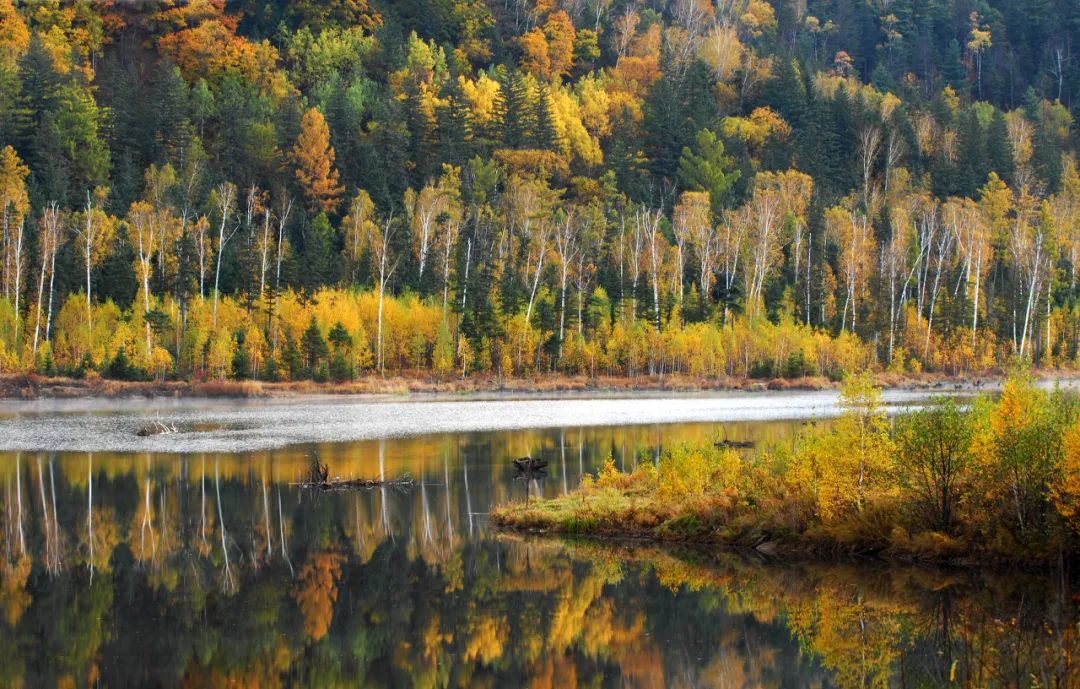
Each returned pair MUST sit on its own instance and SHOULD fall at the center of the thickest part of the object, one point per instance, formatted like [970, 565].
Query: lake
[125, 564]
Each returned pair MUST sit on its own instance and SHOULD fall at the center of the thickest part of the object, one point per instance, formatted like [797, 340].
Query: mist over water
[240, 426]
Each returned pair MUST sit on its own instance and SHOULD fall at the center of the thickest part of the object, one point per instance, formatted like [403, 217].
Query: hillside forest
[745, 188]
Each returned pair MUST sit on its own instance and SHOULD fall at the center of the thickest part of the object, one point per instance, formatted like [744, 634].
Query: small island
[993, 482]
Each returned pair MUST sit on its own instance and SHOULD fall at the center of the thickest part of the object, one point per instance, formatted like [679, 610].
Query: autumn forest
[277, 190]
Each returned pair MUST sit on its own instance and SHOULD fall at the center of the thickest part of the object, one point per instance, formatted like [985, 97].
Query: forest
[278, 190]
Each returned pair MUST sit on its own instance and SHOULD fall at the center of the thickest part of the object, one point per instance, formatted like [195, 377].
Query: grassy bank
[997, 482]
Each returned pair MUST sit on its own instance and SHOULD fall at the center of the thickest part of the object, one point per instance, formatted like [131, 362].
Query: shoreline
[770, 551]
[32, 387]
[516, 520]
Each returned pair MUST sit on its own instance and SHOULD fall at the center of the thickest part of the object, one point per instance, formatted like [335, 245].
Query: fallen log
[338, 483]
[734, 444]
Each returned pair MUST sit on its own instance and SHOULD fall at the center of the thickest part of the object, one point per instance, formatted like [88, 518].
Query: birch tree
[764, 242]
[898, 265]
[384, 263]
[50, 229]
[421, 208]
[852, 232]
[567, 249]
[693, 227]
[590, 239]
[357, 229]
[94, 231]
[448, 224]
[144, 230]
[648, 223]
[1032, 249]
[223, 198]
[635, 249]
[731, 238]
[972, 234]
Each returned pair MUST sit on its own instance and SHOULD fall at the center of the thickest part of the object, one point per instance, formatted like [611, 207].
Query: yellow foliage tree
[14, 35]
[1066, 488]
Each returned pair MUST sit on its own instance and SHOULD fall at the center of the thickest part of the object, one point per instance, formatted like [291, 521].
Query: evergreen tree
[707, 168]
[313, 347]
[291, 359]
[974, 163]
[952, 69]
[999, 154]
[320, 256]
[520, 113]
[423, 137]
[666, 131]
[172, 127]
[241, 361]
[786, 94]
[544, 135]
[455, 128]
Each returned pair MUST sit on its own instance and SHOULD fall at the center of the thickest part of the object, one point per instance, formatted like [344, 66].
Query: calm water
[210, 569]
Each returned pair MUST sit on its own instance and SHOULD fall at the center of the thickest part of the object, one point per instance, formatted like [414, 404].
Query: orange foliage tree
[314, 158]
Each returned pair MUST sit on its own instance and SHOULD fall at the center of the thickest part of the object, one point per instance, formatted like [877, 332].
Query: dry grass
[33, 386]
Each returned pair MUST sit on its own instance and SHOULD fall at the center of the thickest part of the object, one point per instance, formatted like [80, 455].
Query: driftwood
[529, 463]
[319, 478]
[338, 483]
[734, 444]
[154, 428]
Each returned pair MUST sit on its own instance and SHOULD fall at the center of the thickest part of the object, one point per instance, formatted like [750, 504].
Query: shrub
[934, 448]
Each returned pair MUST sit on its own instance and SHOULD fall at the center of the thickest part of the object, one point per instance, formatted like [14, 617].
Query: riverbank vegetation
[291, 191]
[999, 481]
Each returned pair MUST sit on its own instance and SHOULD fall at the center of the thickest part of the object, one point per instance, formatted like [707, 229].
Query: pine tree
[423, 136]
[973, 158]
[999, 154]
[707, 168]
[666, 131]
[817, 150]
[519, 120]
[952, 69]
[172, 122]
[319, 255]
[14, 115]
[455, 128]
[544, 135]
[313, 347]
[786, 94]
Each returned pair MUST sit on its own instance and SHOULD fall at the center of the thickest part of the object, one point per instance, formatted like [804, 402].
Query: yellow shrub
[1066, 488]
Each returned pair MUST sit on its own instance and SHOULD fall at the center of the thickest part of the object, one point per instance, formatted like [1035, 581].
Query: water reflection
[212, 570]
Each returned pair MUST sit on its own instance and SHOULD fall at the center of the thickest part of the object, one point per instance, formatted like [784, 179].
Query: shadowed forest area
[449, 188]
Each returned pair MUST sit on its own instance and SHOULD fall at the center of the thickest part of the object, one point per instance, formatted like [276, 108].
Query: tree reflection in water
[122, 570]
